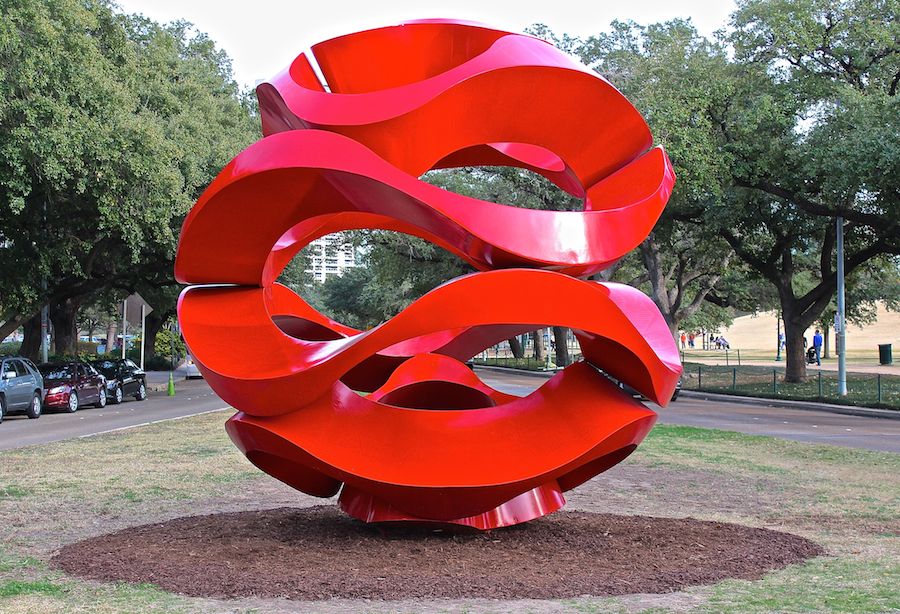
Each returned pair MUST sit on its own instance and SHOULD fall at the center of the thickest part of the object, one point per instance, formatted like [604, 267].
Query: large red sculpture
[391, 417]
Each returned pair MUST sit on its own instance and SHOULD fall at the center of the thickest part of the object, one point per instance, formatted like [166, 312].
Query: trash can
[885, 356]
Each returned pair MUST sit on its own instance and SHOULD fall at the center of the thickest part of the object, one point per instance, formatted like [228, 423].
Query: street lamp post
[45, 325]
[778, 336]
[45, 310]
[840, 322]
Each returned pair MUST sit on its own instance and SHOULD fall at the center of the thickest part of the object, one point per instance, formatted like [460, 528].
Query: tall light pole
[45, 310]
[840, 322]
[45, 325]
[778, 335]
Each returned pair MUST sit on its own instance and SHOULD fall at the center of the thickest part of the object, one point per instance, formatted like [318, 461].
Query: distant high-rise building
[331, 255]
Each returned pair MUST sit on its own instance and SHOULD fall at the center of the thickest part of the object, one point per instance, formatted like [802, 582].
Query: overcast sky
[263, 36]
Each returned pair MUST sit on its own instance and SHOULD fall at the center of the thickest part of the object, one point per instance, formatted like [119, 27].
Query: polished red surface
[392, 417]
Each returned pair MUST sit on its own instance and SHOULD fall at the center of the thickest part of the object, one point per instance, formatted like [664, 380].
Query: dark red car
[70, 385]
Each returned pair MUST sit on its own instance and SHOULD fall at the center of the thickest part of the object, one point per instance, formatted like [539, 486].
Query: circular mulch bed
[318, 552]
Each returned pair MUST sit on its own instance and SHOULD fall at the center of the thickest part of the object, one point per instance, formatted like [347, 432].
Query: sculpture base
[540, 501]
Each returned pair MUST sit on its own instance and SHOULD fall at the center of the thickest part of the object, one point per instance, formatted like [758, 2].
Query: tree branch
[881, 225]
[764, 268]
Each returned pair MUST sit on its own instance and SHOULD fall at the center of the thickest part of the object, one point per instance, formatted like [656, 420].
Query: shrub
[11, 347]
[158, 363]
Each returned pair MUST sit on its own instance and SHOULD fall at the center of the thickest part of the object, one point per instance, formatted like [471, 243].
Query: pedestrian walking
[817, 346]
[683, 341]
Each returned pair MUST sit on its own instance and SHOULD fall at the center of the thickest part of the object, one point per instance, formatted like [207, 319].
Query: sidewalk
[849, 410]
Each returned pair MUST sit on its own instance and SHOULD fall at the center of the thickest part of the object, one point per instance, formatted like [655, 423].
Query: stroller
[811, 356]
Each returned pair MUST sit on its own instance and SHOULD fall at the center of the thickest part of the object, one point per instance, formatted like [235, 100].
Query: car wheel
[72, 407]
[117, 395]
[101, 401]
[2, 407]
[141, 393]
[34, 409]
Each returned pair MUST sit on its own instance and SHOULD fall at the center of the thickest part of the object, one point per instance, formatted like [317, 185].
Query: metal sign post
[137, 310]
[124, 324]
[143, 330]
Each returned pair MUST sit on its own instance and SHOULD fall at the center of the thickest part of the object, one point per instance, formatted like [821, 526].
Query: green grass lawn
[847, 500]
[866, 389]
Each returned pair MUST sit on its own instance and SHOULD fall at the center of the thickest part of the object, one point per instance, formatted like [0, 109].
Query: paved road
[196, 397]
[192, 397]
[795, 424]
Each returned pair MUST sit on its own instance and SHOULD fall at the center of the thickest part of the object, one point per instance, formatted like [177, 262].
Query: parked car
[71, 385]
[21, 387]
[191, 371]
[123, 378]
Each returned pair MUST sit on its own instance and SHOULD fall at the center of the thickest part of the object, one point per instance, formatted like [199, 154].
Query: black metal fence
[868, 389]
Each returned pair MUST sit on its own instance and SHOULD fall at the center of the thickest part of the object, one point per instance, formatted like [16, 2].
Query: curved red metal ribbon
[392, 417]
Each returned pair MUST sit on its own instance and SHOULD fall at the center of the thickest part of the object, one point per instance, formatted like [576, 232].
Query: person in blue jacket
[817, 346]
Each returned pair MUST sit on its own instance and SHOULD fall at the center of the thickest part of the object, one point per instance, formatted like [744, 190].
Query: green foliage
[876, 281]
[709, 317]
[397, 269]
[100, 158]
[169, 343]
[515, 187]
[349, 299]
[159, 363]
[526, 364]
[296, 275]
[680, 82]
[774, 130]
[814, 137]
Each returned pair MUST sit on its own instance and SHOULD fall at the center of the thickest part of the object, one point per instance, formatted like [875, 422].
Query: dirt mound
[318, 553]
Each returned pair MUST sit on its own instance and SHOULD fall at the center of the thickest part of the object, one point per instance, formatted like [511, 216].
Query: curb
[164, 386]
[849, 410]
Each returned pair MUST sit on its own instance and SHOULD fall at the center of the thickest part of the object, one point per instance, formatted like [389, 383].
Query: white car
[190, 369]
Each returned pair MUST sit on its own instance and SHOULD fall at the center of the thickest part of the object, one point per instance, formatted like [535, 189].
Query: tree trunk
[795, 353]
[538, 337]
[65, 329]
[11, 324]
[652, 259]
[111, 329]
[562, 346]
[515, 347]
[826, 353]
[152, 325]
[31, 343]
